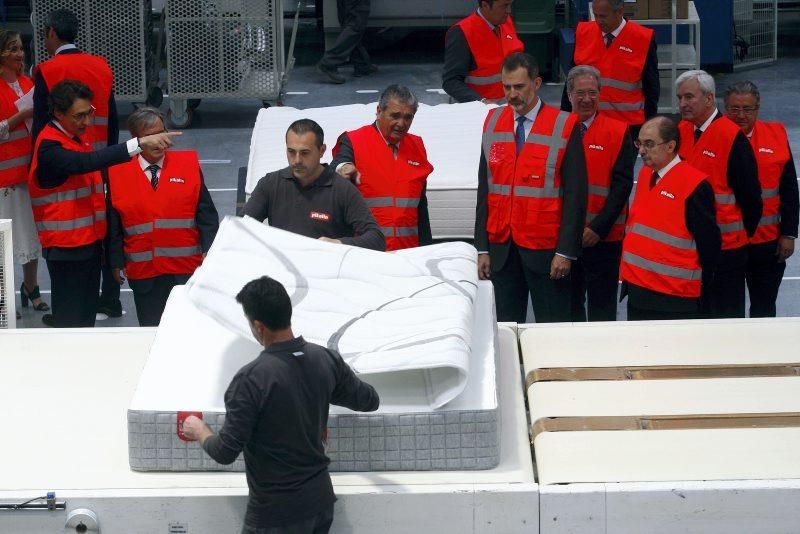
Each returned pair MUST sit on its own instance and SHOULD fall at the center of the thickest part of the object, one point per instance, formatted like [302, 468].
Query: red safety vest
[15, 152]
[95, 73]
[710, 155]
[771, 146]
[391, 187]
[488, 50]
[602, 143]
[659, 252]
[620, 66]
[524, 195]
[160, 233]
[74, 213]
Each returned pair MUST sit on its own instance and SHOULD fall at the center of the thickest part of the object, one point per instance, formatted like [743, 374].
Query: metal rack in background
[223, 49]
[755, 36]
[120, 31]
[8, 317]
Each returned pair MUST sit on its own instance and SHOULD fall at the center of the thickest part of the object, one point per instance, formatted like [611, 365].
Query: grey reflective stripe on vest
[537, 192]
[138, 229]
[619, 84]
[402, 231]
[100, 215]
[554, 142]
[100, 121]
[725, 199]
[16, 162]
[170, 224]
[620, 219]
[177, 252]
[407, 202]
[731, 227]
[769, 219]
[13, 136]
[769, 193]
[378, 202]
[100, 188]
[598, 190]
[621, 106]
[482, 80]
[490, 137]
[660, 268]
[61, 196]
[663, 237]
[139, 256]
[70, 224]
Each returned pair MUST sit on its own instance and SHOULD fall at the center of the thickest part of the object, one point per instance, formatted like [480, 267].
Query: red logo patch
[320, 216]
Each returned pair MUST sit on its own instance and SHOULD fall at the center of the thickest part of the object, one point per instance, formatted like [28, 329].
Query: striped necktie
[153, 169]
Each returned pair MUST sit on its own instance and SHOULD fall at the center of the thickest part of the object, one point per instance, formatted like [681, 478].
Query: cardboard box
[636, 9]
[662, 9]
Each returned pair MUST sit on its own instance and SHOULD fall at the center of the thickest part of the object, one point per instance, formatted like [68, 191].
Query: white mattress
[586, 455]
[452, 136]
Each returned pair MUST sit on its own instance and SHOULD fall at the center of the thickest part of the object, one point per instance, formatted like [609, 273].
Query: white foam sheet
[451, 133]
[409, 313]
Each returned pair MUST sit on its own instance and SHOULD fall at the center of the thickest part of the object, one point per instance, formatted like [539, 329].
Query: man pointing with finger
[531, 206]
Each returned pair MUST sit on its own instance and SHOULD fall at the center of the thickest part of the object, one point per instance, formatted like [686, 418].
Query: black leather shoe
[49, 320]
[331, 73]
[113, 309]
[365, 70]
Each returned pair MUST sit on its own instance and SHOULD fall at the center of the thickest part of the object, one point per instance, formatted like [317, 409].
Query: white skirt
[15, 204]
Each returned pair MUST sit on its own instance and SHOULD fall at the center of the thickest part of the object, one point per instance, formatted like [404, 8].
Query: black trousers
[74, 286]
[551, 299]
[726, 295]
[319, 524]
[353, 15]
[596, 282]
[109, 288]
[763, 275]
[642, 314]
[150, 296]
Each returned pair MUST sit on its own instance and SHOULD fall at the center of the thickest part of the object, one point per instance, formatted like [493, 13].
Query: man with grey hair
[773, 242]
[609, 153]
[161, 219]
[390, 167]
[715, 145]
[625, 54]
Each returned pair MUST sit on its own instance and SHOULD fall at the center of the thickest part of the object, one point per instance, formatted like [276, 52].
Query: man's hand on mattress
[349, 171]
[330, 240]
[484, 267]
[196, 430]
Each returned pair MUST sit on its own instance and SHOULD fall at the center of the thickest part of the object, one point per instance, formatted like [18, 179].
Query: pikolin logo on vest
[626, 49]
[596, 147]
[320, 216]
[665, 193]
[709, 154]
[177, 180]
[412, 162]
[766, 150]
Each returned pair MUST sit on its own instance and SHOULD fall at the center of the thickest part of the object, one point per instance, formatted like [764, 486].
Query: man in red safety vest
[161, 219]
[390, 167]
[773, 242]
[672, 241]
[474, 50]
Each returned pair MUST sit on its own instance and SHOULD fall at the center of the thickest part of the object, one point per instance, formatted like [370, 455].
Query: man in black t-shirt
[276, 412]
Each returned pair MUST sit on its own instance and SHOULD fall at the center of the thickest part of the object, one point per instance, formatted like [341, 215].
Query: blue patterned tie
[520, 135]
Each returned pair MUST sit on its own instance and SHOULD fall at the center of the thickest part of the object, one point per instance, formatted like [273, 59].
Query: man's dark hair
[668, 131]
[265, 299]
[490, 2]
[65, 23]
[401, 93]
[64, 95]
[303, 126]
[518, 60]
[743, 88]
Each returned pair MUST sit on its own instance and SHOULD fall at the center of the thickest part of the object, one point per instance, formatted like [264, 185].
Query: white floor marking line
[215, 162]
[222, 190]
[296, 92]
[47, 291]
[366, 91]
[439, 91]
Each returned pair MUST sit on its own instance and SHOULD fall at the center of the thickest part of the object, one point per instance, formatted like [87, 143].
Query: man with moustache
[531, 204]
[310, 199]
[390, 167]
[773, 242]
[715, 145]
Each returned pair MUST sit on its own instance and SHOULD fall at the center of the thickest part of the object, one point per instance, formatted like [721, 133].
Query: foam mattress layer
[406, 433]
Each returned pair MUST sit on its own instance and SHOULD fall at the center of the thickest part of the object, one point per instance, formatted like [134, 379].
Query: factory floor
[221, 129]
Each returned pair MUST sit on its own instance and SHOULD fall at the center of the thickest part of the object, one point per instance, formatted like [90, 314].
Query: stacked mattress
[452, 136]
[415, 324]
[664, 401]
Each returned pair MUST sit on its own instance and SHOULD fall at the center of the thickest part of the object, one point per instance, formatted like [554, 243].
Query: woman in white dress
[15, 155]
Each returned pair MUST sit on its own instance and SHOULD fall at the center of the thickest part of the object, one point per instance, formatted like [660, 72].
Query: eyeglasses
[85, 114]
[736, 110]
[647, 144]
[583, 94]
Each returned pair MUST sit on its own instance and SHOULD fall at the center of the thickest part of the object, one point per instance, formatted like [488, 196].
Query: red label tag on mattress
[181, 418]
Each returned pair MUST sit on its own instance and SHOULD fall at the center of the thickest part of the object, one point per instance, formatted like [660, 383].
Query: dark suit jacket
[41, 116]
[458, 61]
[574, 194]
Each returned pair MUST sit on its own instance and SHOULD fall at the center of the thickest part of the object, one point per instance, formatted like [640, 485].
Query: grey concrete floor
[221, 130]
